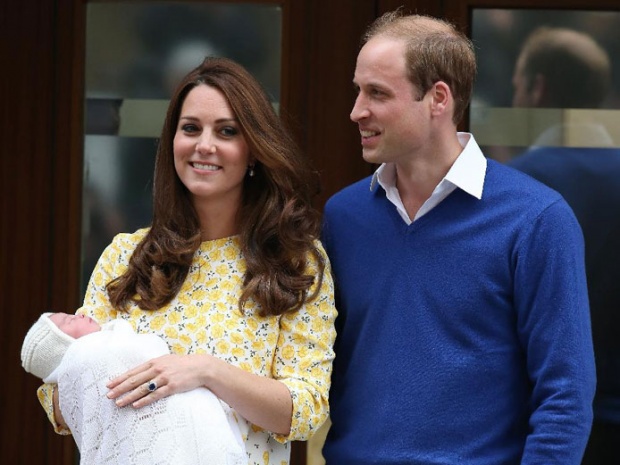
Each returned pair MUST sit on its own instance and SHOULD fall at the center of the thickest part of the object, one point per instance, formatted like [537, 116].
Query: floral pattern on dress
[295, 348]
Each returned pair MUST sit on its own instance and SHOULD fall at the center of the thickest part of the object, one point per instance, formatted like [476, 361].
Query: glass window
[546, 102]
[135, 54]
[505, 121]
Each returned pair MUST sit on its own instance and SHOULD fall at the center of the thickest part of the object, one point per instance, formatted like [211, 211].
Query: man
[463, 330]
[586, 174]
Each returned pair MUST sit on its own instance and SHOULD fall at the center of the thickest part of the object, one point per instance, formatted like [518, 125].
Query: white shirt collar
[467, 173]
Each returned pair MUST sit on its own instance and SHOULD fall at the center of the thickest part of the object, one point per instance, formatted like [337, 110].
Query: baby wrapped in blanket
[188, 428]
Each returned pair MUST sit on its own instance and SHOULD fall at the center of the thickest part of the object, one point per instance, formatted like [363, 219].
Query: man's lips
[369, 137]
[366, 133]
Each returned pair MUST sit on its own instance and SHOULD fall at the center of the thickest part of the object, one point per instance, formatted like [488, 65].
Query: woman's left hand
[155, 379]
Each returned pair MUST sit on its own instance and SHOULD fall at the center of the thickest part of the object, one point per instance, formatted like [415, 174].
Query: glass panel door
[135, 53]
[547, 102]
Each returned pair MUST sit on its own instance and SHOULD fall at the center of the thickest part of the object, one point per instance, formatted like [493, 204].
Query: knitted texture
[190, 428]
[204, 317]
[463, 337]
[43, 347]
[588, 179]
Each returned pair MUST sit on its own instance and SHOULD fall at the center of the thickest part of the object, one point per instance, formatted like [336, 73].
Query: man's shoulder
[351, 193]
[509, 180]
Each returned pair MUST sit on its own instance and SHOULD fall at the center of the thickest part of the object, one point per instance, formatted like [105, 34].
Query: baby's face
[75, 325]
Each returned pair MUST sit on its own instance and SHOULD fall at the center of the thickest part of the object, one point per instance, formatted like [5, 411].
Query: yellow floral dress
[294, 348]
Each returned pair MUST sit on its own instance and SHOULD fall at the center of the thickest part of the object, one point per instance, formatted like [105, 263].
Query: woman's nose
[205, 145]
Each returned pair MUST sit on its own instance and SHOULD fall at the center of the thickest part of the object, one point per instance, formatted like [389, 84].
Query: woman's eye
[189, 128]
[229, 131]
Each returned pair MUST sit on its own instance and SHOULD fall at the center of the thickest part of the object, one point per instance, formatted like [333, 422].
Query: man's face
[392, 120]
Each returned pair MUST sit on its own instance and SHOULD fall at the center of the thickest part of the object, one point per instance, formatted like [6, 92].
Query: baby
[81, 356]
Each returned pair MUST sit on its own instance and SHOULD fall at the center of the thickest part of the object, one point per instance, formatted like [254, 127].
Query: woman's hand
[263, 401]
[157, 378]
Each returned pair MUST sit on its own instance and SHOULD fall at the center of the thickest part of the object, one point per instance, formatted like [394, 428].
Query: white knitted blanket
[190, 428]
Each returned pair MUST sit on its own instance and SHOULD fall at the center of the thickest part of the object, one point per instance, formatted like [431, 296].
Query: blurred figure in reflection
[563, 68]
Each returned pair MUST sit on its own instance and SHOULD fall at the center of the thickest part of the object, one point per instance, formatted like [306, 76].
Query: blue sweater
[463, 338]
[588, 179]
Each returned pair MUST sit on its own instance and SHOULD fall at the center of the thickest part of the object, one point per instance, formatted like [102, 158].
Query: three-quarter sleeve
[303, 359]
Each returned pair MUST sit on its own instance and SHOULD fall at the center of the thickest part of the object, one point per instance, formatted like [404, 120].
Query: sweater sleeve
[553, 324]
[303, 359]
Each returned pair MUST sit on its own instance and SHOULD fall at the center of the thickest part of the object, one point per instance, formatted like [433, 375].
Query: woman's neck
[216, 223]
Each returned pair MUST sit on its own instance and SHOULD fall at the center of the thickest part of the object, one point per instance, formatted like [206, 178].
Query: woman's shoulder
[123, 245]
[318, 245]
[130, 239]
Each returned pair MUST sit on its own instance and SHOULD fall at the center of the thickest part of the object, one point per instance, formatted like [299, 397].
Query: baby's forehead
[58, 318]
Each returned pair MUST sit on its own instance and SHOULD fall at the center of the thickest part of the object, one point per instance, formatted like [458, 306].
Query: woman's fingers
[132, 385]
[135, 392]
[125, 385]
[131, 377]
[158, 378]
[152, 392]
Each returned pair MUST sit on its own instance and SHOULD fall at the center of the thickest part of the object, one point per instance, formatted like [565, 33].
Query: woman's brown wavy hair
[277, 223]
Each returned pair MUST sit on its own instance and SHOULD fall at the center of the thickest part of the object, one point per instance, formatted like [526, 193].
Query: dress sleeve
[304, 356]
[96, 304]
[112, 263]
[45, 395]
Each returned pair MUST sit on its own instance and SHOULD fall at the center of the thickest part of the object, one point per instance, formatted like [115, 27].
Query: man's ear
[441, 98]
[538, 90]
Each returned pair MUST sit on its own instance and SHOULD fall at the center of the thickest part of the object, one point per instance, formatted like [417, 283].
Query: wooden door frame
[42, 56]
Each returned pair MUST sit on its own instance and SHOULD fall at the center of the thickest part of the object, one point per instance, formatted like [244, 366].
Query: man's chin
[370, 156]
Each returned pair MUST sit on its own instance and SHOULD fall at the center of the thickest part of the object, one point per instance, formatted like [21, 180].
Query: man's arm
[553, 322]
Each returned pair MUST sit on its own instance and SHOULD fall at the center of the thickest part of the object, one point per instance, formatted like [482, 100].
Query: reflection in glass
[139, 50]
[546, 102]
[135, 54]
[499, 35]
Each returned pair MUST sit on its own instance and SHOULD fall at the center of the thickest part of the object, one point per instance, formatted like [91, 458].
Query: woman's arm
[289, 399]
[60, 421]
[46, 394]
[263, 401]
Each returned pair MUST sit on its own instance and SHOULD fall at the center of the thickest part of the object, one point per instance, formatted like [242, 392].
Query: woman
[231, 273]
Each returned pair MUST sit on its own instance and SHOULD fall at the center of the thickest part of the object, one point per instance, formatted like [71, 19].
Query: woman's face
[211, 156]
